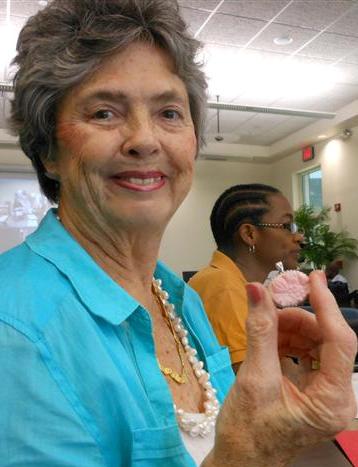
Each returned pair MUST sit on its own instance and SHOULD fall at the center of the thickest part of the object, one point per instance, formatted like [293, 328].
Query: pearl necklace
[211, 405]
[186, 421]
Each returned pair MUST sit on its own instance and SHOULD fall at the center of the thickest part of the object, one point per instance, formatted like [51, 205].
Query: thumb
[261, 327]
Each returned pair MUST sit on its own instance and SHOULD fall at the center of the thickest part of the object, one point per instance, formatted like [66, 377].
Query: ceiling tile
[268, 121]
[3, 7]
[194, 18]
[254, 98]
[297, 102]
[330, 46]
[24, 8]
[229, 120]
[244, 74]
[263, 9]
[207, 5]
[342, 95]
[347, 25]
[291, 125]
[259, 123]
[258, 129]
[224, 29]
[266, 129]
[316, 14]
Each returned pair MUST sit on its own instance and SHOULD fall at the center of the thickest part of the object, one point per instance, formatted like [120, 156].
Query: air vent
[213, 158]
[5, 87]
[271, 110]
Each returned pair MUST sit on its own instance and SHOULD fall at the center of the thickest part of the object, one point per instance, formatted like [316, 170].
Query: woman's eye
[171, 114]
[103, 114]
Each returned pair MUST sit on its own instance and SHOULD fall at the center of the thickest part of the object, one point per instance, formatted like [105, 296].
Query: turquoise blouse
[80, 384]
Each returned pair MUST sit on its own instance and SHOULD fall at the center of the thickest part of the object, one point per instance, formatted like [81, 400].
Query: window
[312, 187]
[22, 206]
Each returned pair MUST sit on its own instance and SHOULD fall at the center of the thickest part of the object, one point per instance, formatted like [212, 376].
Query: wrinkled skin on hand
[274, 410]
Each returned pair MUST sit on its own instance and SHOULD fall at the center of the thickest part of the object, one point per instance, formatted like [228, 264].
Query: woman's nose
[141, 138]
[299, 237]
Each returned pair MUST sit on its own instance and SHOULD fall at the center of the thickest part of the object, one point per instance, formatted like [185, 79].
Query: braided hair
[235, 206]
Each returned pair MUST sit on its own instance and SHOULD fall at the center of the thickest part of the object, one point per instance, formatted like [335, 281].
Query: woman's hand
[269, 416]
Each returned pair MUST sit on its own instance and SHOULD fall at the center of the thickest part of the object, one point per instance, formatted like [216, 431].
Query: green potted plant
[322, 245]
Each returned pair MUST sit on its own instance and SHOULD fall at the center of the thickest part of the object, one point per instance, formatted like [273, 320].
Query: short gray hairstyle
[66, 42]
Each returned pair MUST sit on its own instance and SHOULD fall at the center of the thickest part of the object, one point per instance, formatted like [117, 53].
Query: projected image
[22, 206]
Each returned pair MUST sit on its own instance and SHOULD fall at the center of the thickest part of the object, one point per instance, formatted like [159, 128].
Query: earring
[252, 249]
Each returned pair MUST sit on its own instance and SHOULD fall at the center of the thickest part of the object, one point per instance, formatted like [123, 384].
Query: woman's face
[276, 244]
[125, 142]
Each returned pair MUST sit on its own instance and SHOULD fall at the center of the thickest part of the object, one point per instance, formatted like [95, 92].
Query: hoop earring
[252, 249]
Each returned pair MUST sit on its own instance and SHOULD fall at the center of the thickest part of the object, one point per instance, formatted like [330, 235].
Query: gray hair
[66, 42]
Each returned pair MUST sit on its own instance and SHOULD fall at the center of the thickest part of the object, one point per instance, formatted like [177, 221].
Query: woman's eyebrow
[121, 97]
[104, 95]
[167, 96]
[287, 217]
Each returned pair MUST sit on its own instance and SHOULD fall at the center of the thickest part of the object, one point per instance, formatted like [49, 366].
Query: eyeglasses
[290, 226]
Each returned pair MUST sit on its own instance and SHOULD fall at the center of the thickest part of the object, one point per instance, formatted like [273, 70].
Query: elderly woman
[253, 228]
[105, 354]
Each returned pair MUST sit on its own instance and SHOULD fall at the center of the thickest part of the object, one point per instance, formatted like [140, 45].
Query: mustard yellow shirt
[221, 286]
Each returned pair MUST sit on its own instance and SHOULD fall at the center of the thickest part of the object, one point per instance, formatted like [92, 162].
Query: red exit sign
[308, 153]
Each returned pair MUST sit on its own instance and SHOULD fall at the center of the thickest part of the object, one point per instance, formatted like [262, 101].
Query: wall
[339, 165]
[187, 243]
[12, 156]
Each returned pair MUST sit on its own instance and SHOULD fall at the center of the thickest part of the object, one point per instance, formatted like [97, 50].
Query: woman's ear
[51, 169]
[247, 234]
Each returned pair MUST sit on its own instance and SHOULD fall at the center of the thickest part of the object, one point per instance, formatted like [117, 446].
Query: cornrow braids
[235, 206]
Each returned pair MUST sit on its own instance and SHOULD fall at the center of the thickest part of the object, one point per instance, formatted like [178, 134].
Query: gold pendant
[180, 379]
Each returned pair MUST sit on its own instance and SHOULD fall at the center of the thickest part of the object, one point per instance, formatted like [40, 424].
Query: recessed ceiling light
[42, 2]
[322, 136]
[283, 40]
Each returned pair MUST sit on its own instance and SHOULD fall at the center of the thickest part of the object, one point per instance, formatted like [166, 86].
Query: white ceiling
[317, 71]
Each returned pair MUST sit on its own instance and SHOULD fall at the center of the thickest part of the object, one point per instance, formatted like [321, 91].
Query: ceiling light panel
[267, 77]
[223, 68]
[349, 73]
[332, 102]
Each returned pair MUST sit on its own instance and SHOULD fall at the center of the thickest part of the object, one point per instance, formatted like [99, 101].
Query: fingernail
[254, 294]
[323, 277]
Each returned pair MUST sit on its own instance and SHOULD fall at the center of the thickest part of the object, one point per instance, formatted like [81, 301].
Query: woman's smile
[140, 181]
